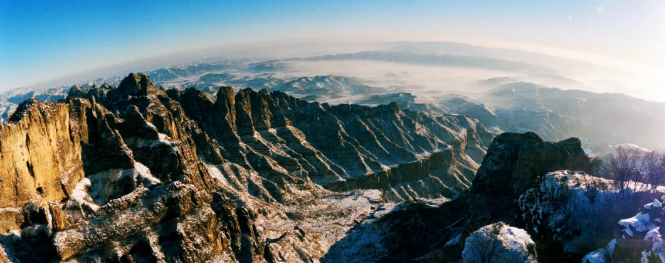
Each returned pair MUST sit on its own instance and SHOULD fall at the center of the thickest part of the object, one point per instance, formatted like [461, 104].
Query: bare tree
[568, 213]
[595, 166]
[653, 168]
[485, 246]
[592, 190]
[623, 168]
[593, 187]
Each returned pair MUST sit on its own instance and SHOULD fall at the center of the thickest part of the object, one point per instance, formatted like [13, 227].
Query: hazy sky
[46, 39]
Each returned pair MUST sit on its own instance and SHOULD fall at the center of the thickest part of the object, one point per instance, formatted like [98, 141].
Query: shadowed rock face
[48, 147]
[137, 173]
[518, 160]
[339, 147]
[513, 164]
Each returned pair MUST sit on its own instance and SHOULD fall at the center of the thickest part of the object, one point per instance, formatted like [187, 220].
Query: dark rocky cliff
[514, 163]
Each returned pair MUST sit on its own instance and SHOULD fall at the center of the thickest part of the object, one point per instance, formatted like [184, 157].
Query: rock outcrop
[520, 160]
[499, 243]
[340, 147]
[513, 164]
[136, 173]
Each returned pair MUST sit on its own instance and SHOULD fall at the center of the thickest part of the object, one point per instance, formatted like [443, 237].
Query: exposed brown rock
[39, 156]
[60, 221]
[136, 172]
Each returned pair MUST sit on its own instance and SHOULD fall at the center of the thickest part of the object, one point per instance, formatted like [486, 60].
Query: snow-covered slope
[499, 243]
[638, 237]
[565, 206]
[6, 109]
[579, 212]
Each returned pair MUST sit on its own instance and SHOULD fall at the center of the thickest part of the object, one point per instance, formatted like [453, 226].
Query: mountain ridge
[117, 168]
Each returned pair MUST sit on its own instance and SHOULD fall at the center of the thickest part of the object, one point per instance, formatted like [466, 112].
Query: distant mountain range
[435, 60]
[268, 161]
[111, 168]
[509, 103]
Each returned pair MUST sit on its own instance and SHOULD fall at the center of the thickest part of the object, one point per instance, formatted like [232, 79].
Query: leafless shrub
[486, 247]
[623, 167]
[653, 169]
[593, 187]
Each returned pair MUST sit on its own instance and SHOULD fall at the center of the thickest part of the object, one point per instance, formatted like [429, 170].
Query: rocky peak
[77, 91]
[25, 108]
[260, 109]
[512, 165]
[243, 109]
[136, 84]
[225, 108]
[135, 125]
[106, 173]
[515, 162]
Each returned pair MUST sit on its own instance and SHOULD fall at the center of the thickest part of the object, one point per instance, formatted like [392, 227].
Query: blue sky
[46, 39]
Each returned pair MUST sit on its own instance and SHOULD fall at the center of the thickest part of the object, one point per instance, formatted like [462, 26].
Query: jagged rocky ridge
[418, 232]
[139, 173]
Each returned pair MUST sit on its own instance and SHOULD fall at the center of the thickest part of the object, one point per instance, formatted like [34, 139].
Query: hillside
[137, 172]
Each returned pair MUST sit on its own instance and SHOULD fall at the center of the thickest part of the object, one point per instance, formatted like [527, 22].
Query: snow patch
[373, 195]
[101, 187]
[499, 243]
[79, 200]
[640, 223]
[453, 241]
[217, 174]
[598, 256]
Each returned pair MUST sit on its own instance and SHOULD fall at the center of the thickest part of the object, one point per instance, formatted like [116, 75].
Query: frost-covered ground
[640, 234]
[582, 211]
[339, 226]
[602, 255]
[92, 192]
[499, 243]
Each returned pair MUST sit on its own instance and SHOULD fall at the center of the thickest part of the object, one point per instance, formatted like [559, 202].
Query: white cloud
[600, 9]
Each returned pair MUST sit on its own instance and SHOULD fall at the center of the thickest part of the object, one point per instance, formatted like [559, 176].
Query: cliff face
[519, 160]
[36, 152]
[138, 173]
[340, 147]
[417, 232]
[47, 148]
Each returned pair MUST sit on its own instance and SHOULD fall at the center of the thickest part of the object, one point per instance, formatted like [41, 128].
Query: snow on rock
[640, 236]
[373, 195]
[566, 205]
[358, 198]
[499, 243]
[602, 255]
[100, 188]
[433, 202]
[598, 256]
[640, 223]
[217, 174]
[115, 183]
[163, 140]
[453, 241]
[361, 244]
[80, 202]
[573, 208]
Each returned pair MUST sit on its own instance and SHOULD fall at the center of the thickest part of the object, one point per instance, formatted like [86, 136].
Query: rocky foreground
[135, 173]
